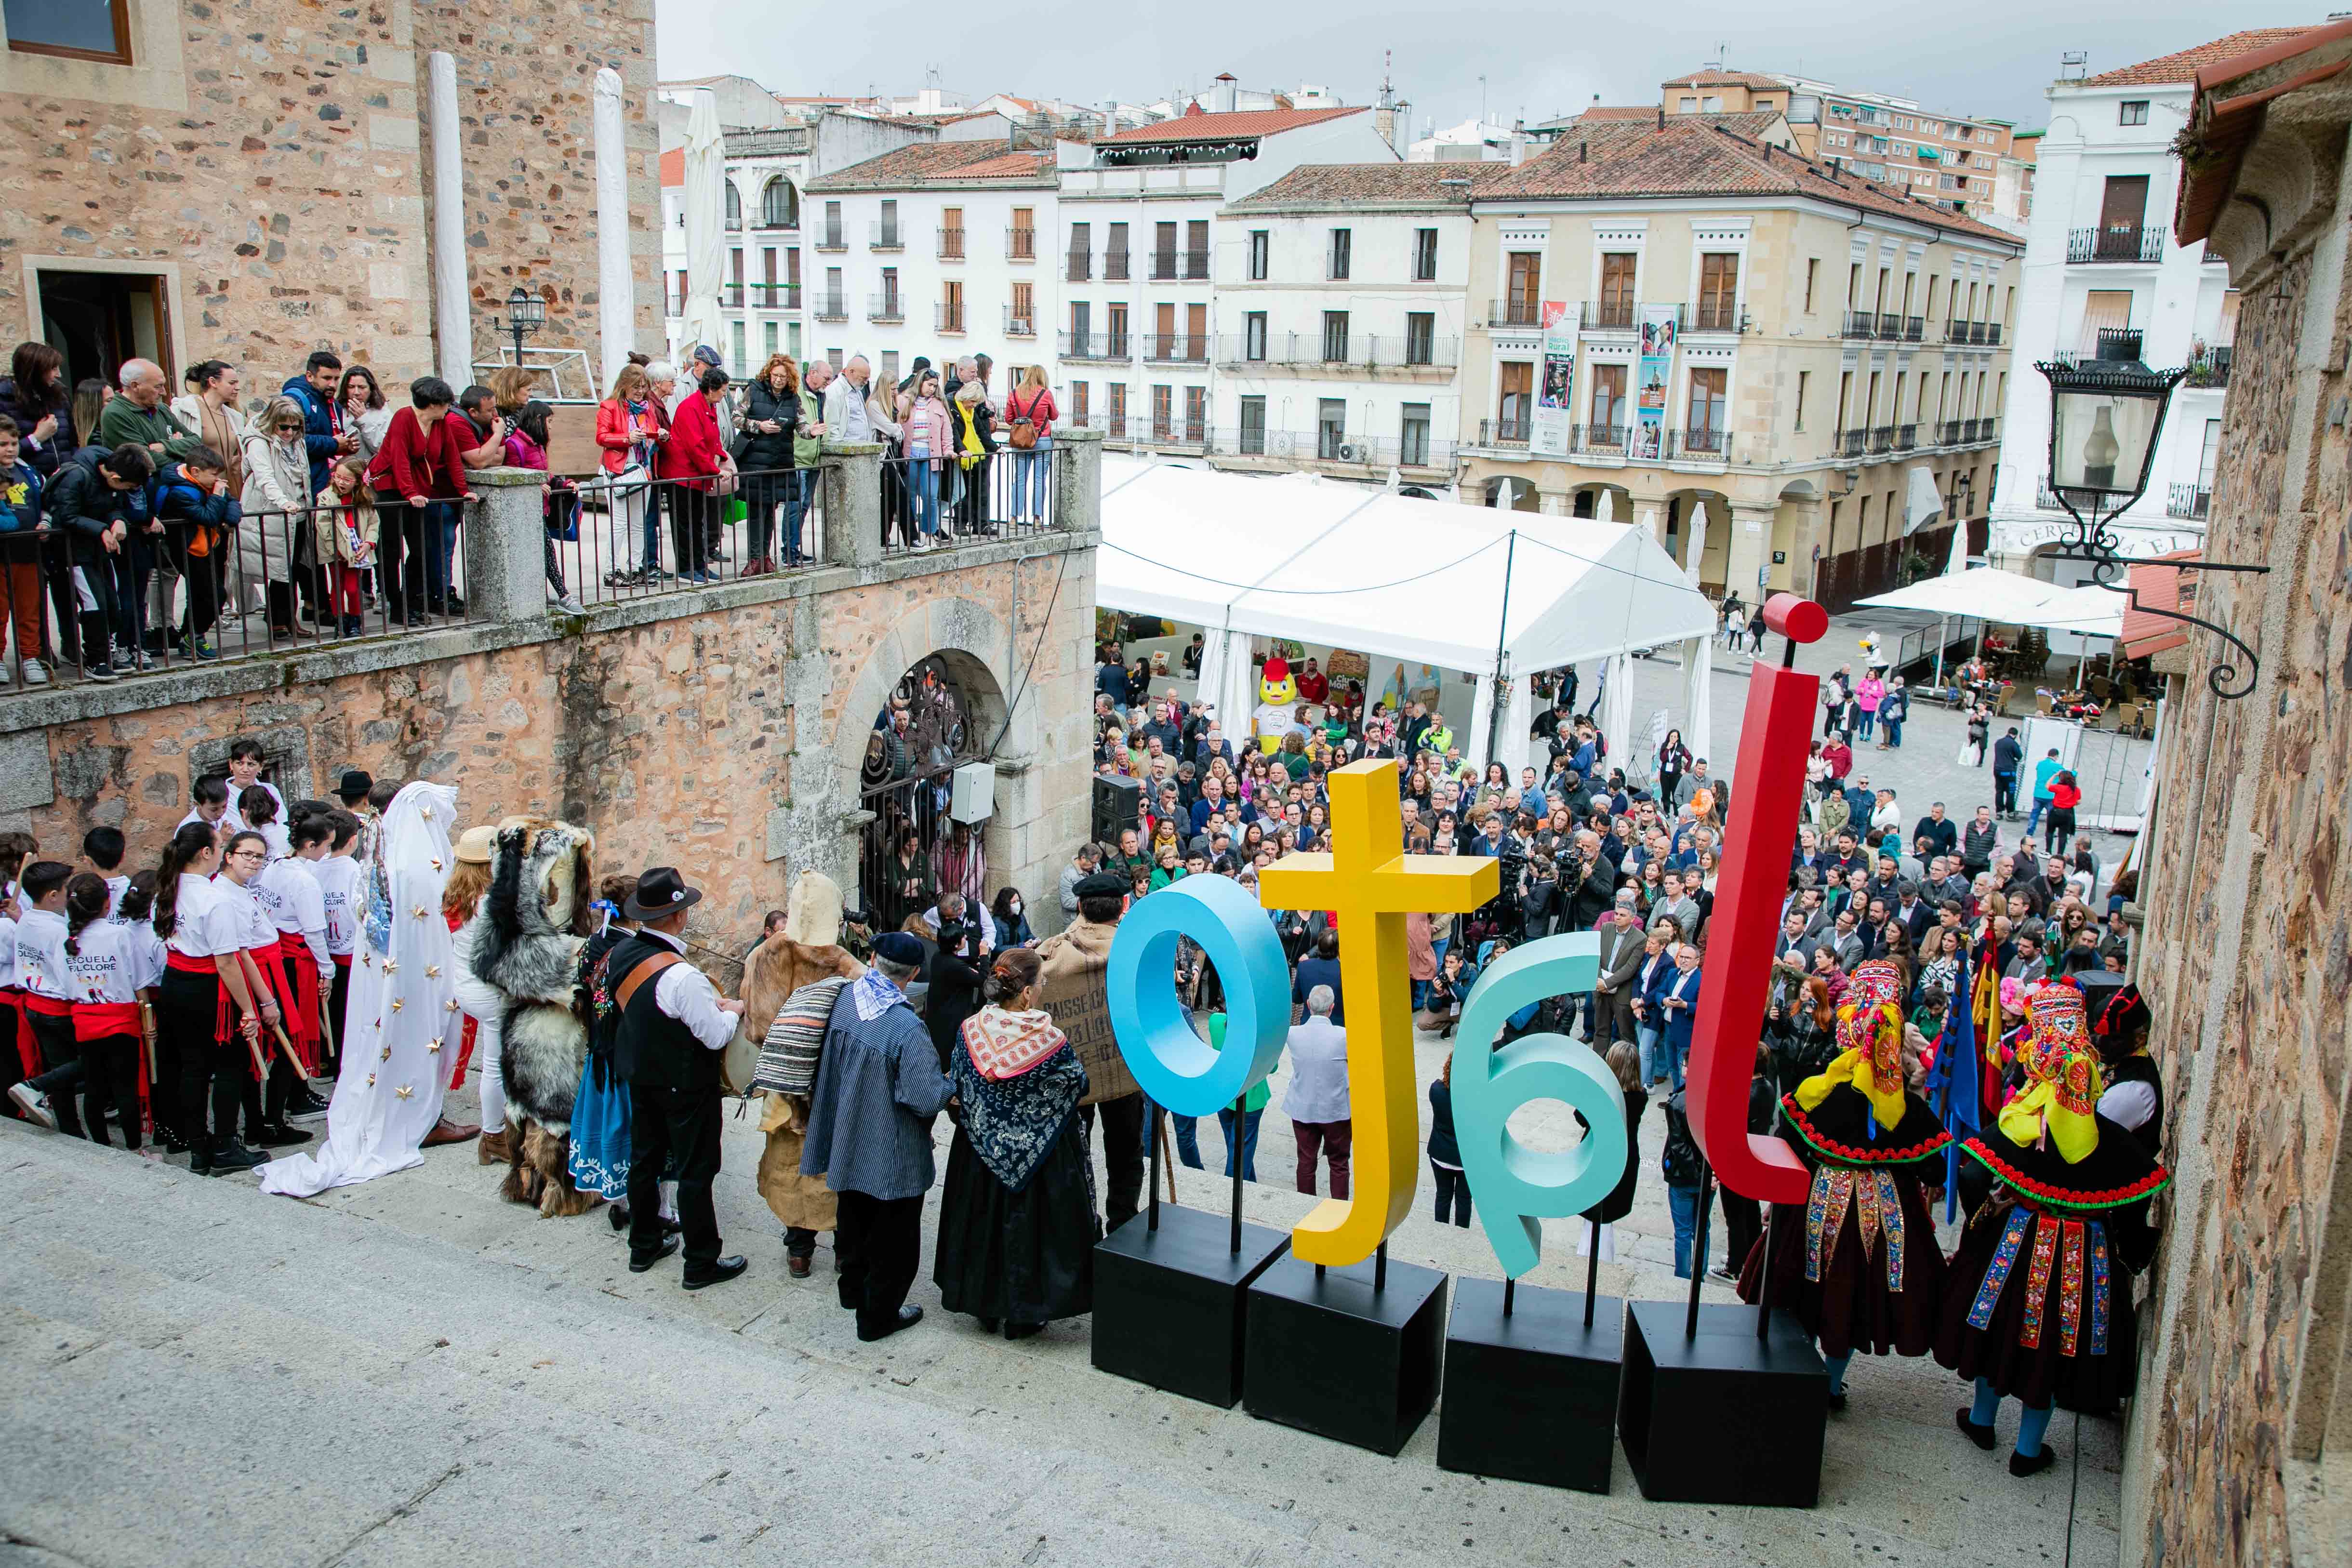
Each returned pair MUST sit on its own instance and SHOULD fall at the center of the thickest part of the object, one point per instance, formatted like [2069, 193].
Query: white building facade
[2103, 276]
[1139, 226]
[1341, 303]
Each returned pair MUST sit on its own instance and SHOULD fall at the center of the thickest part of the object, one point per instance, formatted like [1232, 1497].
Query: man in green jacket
[140, 415]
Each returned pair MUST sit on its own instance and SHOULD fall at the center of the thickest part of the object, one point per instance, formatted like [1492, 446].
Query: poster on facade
[1647, 440]
[1547, 435]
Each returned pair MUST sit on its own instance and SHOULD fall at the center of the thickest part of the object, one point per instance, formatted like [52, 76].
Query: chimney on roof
[1518, 143]
[1582, 150]
[1224, 94]
[1662, 117]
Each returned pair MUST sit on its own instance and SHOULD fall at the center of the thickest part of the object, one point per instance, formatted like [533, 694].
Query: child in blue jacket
[199, 517]
[20, 517]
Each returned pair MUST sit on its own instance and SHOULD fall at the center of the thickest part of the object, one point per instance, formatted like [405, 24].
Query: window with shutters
[1261, 249]
[1335, 336]
[1615, 306]
[1118, 411]
[1511, 410]
[1196, 333]
[1421, 337]
[1608, 409]
[1163, 413]
[1343, 245]
[1196, 415]
[1196, 248]
[1424, 255]
[1718, 292]
[1526, 288]
[1115, 254]
[1412, 436]
[1330, 427]
[1252, 431]
[1254, 336]
[1164, 251]
[1079, 401]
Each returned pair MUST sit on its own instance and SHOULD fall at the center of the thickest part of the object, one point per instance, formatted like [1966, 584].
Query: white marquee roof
[1397, 577]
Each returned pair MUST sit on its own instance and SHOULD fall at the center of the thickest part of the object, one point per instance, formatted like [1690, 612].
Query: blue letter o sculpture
[1174, 1065]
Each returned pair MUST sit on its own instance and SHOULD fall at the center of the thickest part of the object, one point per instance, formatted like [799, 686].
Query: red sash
[224, 1010]
[187, 963]
[28, 1050]
[302, 1017]
[465, 1032]
[105, 1020]
[47, 1005]
[273, 982]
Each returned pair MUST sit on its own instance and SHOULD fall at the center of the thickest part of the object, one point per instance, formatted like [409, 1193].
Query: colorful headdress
[1870, 1041]
[2063, 1076]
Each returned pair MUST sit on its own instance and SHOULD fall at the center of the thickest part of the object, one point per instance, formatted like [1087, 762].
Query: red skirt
[1879, 1298]
[20, 1027]
[2039, 1305]
[299, 971]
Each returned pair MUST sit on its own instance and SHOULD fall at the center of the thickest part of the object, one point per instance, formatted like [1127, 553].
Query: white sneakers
[36, 673]
[33, 1104]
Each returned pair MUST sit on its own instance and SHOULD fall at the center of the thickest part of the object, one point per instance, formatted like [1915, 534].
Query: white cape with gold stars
[402, 1022]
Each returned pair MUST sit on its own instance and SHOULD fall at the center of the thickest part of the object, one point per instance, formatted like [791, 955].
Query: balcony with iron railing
[1171, 265]
[731, 295]
[1705, 442]
[1022, 325]
[1889, 329]
[1602, 438]
[1098, 348]
[1716, 316]
[2194, 502]
[947, 317]
[1344, 451]
[831, 307]
[1915, 328]
[2116, 242]
[1609, 315]
[1852, 443]
[1078, 267]
[2210, 369]
[882, 235]
[2111, 343]
[1021, 245]
[1116, 266]
[1907, 437]
[951, 245]
[1882, 439]
[773, 222]
[1511, 432]
[1514, 313]
[1175, 348]
[1861, 324]
[831, 237]
[888, 307]
[773, 296]
[1310, 351]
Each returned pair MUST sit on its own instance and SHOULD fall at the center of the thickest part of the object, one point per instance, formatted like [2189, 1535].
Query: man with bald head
[140, 414]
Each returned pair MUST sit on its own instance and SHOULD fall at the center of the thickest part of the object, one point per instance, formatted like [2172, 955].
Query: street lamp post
[526, 313]
[2106, 414]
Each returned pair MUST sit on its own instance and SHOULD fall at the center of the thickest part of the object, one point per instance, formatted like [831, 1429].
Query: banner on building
[1548, 435]
[1646, 442]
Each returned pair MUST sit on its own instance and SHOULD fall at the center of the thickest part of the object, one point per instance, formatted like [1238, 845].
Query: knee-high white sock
[488, 1043]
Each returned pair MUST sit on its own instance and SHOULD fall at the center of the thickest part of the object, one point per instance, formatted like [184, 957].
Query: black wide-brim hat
[661, 892]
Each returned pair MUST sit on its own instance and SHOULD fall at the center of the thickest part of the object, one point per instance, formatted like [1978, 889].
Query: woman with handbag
[526, 447]
[927, 426]
[697, 462]
[772, 413]
[1032, 413]
[276, 503]
[631, 428]
[975, 446]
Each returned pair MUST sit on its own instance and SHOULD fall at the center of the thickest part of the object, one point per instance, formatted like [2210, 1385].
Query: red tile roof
[1221, 127]
[2158, 586]
[2183, 66]
[1621, 112]
[1713, 78]
[1317, 185]
[1708, 155]
[673, 166]
[929, 163]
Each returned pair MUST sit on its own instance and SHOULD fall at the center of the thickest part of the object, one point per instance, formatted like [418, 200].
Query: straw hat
[476, 845]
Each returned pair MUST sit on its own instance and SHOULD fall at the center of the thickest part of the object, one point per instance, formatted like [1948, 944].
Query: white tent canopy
[2012, 598]
[1467, 588]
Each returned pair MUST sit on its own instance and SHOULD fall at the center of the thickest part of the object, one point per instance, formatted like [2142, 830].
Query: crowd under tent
[1250, 558]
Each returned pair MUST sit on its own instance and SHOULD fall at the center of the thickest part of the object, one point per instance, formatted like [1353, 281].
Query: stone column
[505, 558]
[1749, 558]
[616, 303]
[452, 300]
[853, 503]
[1077, 480]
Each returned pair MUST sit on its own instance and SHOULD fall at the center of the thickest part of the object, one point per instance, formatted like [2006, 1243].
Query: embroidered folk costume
[1858, 1263]
[2039, 1305]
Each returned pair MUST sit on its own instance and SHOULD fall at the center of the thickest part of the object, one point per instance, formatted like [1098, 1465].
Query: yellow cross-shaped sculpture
[1371, 884]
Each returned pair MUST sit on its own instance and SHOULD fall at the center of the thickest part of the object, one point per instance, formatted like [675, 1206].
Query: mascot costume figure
[524, 945]
[1277, 707]
[807, 949]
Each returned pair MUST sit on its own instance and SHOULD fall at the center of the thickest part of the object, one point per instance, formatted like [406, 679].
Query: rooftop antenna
[2074, 64]
[1722, 51]
[1482, 102]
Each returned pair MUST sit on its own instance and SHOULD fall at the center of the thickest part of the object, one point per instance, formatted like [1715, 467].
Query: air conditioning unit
[973, 797]
[1351, 452]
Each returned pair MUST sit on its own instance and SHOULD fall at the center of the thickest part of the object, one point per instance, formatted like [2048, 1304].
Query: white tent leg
[1698, 732]
[1482, 723]
[1617, 724]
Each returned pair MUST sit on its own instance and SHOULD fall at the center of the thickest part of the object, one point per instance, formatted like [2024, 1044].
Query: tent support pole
[1498, 697]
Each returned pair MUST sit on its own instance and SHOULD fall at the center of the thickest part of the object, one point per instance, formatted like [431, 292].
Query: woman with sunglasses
[277, 505]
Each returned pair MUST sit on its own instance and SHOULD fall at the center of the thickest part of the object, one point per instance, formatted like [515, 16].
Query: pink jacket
[927, 426]
[1868, 691]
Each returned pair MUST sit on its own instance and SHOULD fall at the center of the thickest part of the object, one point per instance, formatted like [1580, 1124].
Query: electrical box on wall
[972, 798]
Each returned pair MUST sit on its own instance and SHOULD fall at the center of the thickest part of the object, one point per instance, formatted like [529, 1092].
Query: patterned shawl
[1014, 1123]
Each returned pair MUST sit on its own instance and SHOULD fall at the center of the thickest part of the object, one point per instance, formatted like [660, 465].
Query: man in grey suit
[1621, 959]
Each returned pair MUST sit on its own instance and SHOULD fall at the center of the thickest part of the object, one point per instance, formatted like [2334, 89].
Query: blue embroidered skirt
[600, 1134]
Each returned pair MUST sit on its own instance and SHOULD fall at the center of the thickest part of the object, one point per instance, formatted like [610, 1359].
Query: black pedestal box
[1332, 1355]
[1169, 1304]
[1533, 1396]
[1723, 1417]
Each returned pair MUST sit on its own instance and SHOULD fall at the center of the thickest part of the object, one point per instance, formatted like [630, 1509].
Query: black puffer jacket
[761, 450]
[44, 458]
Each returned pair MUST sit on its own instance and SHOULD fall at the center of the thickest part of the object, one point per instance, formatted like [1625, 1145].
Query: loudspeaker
[1118, 806]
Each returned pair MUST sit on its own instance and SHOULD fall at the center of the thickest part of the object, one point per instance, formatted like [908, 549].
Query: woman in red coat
[419, 466]
[631, 426]
[694, 457]
[2058, 827]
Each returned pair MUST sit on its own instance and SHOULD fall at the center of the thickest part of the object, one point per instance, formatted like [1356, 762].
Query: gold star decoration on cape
[404, 1090]
[398, 1004]
[371, 1080]
[434, 1048]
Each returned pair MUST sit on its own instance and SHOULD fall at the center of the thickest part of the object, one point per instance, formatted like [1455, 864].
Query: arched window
[780, 204]
[734, 206]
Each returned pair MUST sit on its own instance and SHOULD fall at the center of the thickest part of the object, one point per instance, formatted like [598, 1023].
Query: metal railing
[1861, 324]
[1175, 348]
[731, 295]
[2193, 501]
[1915, 328]
[886, 307]
[950, 244]
[1021, 245]
[1607, 315]
[2119, 242]
[832, 236]
[773, 296]
[1704, 442]
[1514, 313]
[1116, 348]
[1907, 437]
[880, 236]
[1078, 267]
[1882, 438]
[1023, 325]
[1598, 437]
[947, 318]
[212, 583]
[1356, 349]
[1852, 443]
[1144, 430]
[1890, 327]
[1167, 265]
[1115, 266]
[941, 503]
[1502, 432]
[1347, 451]
[628, 539]
[2210, 369]
[831, 307]
[1718, 316]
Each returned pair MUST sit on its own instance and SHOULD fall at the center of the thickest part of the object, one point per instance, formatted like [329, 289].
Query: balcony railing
[951, 245]
[1021, 245]
[1705, 442]
[1607, 315]
[832, 236]
[1196, 263]
[1079, 267]
[1915, 328]
[884, 236]
[831, 307]
[773, 296]
[2210, 369]
[1907, 437]
[1952, 432]
[1023, 325]
[2044, 498]
[1890, 327]
[1882, 438]
[947, 318]
[1101, 348]
[731, 295]
[1514, 313]
[1503, 432]
[1362, 351]
[1597, 438]
[2193, 501]
[2112, 343]
[1992, 334]
[779, 220]
[1173, 263]
[1147, 431]
[886, 307]
[1175, 348]
[1861, 324]
[1719, 316]
[1115, 267]
[1852, 443]
[2117, 243]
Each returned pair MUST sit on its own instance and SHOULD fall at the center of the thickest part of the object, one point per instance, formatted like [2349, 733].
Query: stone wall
[268, 160]
[2247, 954]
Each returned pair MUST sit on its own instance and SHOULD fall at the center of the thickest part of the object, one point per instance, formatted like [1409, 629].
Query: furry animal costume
[525, 944]
[804, 952]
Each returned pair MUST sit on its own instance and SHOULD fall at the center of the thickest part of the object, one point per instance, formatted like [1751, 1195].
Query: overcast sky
[1988, 58]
